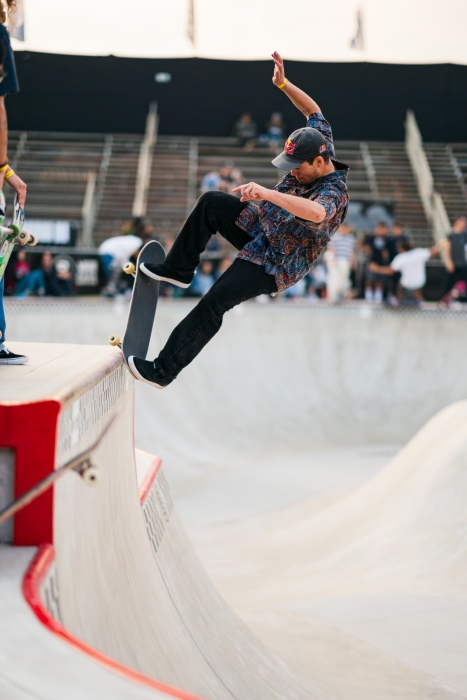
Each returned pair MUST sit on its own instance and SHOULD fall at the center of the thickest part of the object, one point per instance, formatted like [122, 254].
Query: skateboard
[143, 305]
[12, 234]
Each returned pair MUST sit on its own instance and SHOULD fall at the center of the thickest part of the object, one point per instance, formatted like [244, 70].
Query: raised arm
[300, 99]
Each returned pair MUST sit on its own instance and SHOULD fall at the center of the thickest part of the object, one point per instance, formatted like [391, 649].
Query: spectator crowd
[381, 267]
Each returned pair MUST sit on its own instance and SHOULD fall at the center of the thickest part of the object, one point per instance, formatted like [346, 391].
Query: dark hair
[325, 155]
[405, 245]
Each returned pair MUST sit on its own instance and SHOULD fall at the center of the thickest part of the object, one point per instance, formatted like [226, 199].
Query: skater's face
[306, 172]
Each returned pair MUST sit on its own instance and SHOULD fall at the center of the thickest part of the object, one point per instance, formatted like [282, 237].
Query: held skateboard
[12, 234]
[142, 305]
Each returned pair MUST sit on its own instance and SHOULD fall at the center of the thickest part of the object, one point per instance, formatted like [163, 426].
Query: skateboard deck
[143, 306]
[12, 234]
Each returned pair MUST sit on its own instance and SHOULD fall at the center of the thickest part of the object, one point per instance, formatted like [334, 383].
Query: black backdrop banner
[205, 97]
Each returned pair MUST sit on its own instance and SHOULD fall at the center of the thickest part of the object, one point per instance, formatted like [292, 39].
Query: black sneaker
[149, 372]
[10, 358]
[162, 273]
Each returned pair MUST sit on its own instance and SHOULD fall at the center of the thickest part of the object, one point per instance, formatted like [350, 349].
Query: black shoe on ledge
[149, 372]
[10, 358]
[162, 273]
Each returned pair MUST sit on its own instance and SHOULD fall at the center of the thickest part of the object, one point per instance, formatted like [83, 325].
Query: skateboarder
[278, 232]
[8, 84]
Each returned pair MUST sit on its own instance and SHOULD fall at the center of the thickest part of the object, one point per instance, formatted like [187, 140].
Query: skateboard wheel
[129, 268]
[32, 240]
[91, 476]
[115, 341]
[23, 237]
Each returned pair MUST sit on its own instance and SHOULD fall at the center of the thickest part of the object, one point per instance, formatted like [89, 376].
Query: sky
[391, 31]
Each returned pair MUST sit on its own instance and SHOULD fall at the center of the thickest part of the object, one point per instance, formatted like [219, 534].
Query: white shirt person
[410, 262]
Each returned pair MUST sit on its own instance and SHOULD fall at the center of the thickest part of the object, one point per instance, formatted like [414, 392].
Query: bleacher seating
[448, 165]
[169, 198]
[56, 167]
[118, 186]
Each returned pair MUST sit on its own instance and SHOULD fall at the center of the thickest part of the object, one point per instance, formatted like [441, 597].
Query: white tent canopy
[400, 31]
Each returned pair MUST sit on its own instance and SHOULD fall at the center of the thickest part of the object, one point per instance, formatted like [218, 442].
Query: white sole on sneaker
[139, 376]
[14, 361]
[147, 272]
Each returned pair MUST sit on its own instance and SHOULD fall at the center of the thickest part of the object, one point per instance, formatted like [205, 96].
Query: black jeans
[459, 275]
[213, 212]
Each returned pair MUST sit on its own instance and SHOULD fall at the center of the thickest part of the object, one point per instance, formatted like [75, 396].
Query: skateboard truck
[22, 237]
[12, 234]
[128, 269]
[89, 472]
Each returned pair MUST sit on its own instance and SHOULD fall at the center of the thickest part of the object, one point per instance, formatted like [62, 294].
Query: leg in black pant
[214, 211]
[242, 281]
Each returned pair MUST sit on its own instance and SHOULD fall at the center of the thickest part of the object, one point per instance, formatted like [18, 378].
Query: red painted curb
[32, 580]
[149, 479]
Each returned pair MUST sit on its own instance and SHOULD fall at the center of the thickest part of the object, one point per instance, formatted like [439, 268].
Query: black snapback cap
[301, 145]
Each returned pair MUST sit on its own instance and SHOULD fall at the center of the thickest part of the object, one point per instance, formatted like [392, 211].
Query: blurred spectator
[245, 130]
[377, 249]
[51, 279]
[230, 177]
[410, 262]
[148, 233]
[224, 181]
[203, 280]
[296, 290]
[115, 252]
[275, 131]
[340, 259]
[22, 267]
[316, 280]
[59, 277]
[210, 182]
[224, 264]
[141, 227]
[397, 235]
[456, 255]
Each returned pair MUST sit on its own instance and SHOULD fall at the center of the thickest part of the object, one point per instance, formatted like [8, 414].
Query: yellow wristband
[5, 167]
[10, 173]
[282, 85]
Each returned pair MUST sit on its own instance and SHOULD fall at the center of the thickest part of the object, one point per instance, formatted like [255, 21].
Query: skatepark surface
[318, 460]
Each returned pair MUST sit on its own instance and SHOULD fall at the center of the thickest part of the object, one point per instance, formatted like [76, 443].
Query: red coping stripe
[32, 582]
[149, 479]
[31, 590]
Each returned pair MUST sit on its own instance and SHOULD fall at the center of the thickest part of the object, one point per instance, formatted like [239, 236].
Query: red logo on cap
[322, 148]
[289, 147]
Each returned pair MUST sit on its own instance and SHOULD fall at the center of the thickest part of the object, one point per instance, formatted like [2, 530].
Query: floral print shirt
[283, 244]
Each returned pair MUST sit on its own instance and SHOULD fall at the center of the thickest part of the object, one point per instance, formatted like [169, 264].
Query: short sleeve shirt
[343, 246]
[411, 265]
[9, 83]
[285, 245]
[458, 243]
[379, 249]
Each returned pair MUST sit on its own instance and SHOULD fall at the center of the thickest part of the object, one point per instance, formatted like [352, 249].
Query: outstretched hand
[279, 70]
[252, 191]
